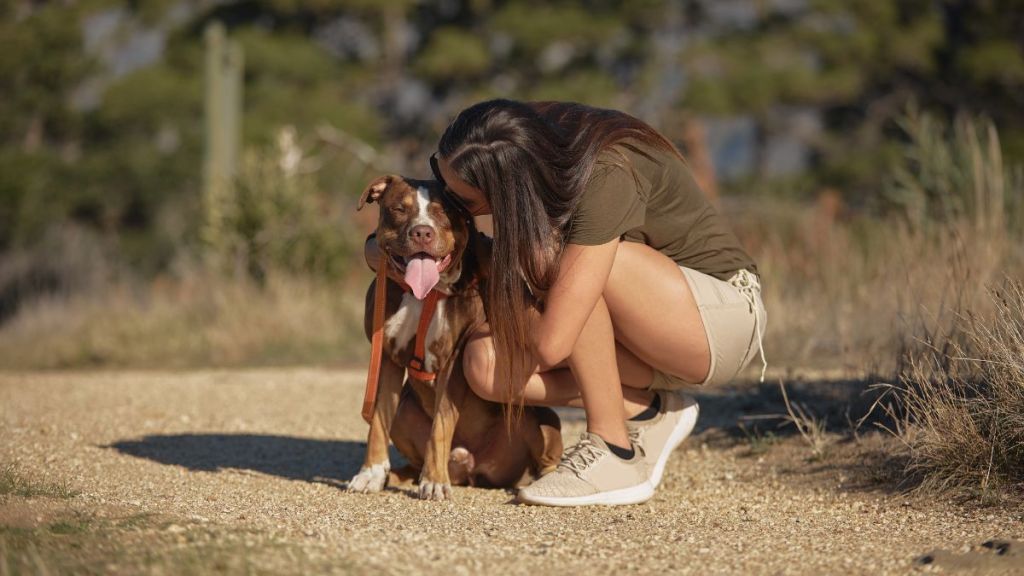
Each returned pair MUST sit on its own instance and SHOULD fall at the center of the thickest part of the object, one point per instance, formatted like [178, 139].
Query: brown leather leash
[417, 363]
[376, 341]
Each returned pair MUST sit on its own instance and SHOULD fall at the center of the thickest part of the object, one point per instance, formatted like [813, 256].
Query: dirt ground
[244, 472]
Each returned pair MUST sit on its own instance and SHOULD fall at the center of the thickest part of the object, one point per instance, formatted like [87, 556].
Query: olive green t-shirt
[658, 203]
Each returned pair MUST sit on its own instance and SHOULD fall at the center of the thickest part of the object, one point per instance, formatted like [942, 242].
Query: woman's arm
[582, 275]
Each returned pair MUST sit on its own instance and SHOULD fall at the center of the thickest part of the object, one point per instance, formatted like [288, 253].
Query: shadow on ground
[738, 409]
[312, 460]
[854, 414]
[842, 405]
[729, 415]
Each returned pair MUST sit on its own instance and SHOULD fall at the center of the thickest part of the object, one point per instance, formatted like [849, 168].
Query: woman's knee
[478, 365]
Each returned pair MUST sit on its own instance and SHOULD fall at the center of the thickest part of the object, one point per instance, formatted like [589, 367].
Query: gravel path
[269, 451]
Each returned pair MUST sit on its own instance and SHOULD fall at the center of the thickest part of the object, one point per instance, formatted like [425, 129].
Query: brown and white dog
[448, 434]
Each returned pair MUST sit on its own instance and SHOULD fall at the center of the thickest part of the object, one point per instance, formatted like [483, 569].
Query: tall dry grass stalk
[812, 429]
[955, 174]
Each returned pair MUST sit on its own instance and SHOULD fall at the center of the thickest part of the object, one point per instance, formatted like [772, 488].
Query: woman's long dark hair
[532, 161]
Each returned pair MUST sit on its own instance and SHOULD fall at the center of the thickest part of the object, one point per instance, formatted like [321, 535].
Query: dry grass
[847, 293]
[845, 289]
[959, 407]
[962, 405]
[196, 321]
[922, 295]
[12, 482]
[813, 430]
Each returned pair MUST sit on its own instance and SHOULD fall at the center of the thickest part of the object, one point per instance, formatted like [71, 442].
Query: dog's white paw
[370, 479]
[435, 490]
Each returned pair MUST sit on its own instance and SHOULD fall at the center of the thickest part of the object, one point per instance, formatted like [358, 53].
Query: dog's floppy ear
[375, 189]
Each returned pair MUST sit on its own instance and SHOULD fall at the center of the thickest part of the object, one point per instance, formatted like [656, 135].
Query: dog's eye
[398, 209]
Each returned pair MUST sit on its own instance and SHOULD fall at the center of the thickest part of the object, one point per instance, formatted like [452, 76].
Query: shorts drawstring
[747, 282]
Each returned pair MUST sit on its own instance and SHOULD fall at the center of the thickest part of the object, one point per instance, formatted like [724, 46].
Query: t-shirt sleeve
[612, 204]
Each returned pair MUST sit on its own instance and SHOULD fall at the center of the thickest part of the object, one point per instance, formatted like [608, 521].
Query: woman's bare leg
[592, 363]
[657, 319]
[653, 324]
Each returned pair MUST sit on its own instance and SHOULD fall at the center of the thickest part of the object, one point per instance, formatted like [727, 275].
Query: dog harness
[418, 363]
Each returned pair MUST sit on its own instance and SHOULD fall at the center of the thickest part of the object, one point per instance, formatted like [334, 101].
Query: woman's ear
[374, 190]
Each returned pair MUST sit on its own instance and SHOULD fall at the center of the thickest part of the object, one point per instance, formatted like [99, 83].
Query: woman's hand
[582, 275]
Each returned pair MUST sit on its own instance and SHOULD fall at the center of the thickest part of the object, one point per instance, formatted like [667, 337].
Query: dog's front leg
[374, 474]
[435, 484]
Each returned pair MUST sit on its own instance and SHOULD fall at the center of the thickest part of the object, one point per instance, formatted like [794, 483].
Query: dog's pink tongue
[421, 275]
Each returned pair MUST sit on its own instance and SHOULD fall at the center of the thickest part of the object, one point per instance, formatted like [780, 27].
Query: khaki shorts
[730, 311]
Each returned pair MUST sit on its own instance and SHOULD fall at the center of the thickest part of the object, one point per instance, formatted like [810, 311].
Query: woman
[614, 282]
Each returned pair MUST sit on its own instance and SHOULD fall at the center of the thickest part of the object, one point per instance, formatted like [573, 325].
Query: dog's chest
[400, 330]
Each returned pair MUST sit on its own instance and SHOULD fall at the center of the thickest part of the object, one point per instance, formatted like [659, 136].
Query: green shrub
[275, 218]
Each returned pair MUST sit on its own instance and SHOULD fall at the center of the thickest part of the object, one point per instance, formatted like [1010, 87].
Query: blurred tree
[41, 62]
[283, 70]
[453, 54]
[860, 63]
[390, 73]
[982, 65]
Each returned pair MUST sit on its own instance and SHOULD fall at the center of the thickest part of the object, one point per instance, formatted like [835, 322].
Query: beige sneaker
[590, 474]
[661, 435]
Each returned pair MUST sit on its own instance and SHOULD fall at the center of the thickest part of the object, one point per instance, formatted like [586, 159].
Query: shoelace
[634, 435]
[746, 282]
[580, 456]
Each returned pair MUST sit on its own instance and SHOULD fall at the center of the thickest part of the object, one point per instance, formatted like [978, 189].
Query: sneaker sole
[681, 431]
[632, 495]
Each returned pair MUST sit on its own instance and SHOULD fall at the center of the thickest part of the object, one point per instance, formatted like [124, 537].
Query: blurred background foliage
[791, 102]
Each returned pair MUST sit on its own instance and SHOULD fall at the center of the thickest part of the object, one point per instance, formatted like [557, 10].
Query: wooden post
[222, 128]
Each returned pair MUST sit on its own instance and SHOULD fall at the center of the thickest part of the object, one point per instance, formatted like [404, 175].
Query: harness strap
[376, 341]
[418, 363]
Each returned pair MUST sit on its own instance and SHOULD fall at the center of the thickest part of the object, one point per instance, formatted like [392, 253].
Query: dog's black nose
[422, 234]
